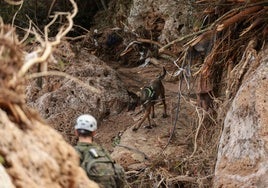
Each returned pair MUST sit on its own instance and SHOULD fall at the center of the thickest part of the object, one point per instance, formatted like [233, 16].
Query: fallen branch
[238, 17]
[158, 44]
[181, 39]
[253, 25]
[13, 19]
[128, 49]
[149, 41]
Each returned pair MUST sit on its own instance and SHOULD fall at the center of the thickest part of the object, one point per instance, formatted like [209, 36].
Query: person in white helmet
[85, 128]
[94, 159]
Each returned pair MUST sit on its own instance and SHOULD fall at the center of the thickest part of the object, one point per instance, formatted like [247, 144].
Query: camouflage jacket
[99, 165]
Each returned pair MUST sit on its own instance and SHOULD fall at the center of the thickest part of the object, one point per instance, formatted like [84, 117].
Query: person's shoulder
[100, 149]
[82, 146]
[97, 146]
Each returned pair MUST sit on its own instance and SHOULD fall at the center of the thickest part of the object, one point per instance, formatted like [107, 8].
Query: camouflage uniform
[99, 165]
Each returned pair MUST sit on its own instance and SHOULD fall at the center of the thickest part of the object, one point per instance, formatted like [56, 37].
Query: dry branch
[48, 46]
[254, 24]
[238, 17]
[128, 48]
[149, 41]
[226, 20]
[181, 39]
[205, 36]
[164, 51]
[14, 69]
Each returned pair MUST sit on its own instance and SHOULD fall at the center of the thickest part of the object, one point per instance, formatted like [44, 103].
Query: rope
[184, 74]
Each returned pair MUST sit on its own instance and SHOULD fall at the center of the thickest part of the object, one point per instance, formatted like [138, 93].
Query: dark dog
[148, 98]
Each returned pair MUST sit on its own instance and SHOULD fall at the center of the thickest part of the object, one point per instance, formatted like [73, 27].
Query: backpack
[100, 167]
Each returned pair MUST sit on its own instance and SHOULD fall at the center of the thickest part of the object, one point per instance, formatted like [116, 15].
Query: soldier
[94, 159]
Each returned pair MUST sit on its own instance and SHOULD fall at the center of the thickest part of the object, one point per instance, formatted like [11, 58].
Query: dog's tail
[162, 76]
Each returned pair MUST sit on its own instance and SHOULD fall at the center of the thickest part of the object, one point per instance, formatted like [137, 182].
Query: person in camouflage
[94, 159]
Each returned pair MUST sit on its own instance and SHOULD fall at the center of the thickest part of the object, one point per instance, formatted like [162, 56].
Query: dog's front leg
[151, 121]
[165, 108]
[148, 117]
[146, 114]
[153, 114]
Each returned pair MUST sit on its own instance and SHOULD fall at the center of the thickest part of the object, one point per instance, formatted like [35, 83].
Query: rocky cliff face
[169, 17]
[242, 155]
[61, 100]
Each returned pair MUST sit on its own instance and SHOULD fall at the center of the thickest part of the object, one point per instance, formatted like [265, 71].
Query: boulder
[242, 155]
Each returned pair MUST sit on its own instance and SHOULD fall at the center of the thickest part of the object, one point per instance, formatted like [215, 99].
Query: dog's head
[134, 101]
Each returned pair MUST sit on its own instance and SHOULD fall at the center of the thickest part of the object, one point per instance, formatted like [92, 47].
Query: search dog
[148, 98]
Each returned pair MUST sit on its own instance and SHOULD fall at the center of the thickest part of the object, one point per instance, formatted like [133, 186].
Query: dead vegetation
[230, 38]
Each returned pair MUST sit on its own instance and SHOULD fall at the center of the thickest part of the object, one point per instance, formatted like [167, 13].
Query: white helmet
[86, 122]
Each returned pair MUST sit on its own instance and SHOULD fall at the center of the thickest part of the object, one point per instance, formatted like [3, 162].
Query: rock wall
[62, 100]
[242, 155]
[176, 16]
